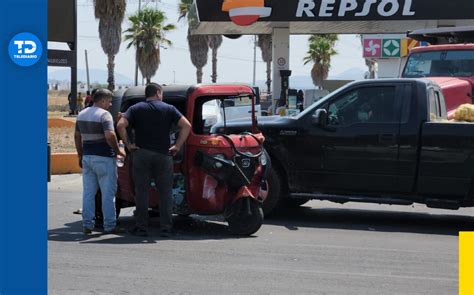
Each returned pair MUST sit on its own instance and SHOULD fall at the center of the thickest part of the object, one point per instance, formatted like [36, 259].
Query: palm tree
[215, 41]
[188, 10]
[265, 45]
[198, 51]
[110, 14]
[321, 49]
[198, 44]
[147, 33]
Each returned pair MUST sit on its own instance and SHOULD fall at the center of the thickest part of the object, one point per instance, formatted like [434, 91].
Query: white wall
[390, 68]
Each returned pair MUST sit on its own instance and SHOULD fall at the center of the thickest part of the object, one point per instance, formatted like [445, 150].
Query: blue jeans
[99, 172]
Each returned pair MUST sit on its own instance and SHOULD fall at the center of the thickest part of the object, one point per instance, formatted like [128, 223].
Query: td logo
[25, 49]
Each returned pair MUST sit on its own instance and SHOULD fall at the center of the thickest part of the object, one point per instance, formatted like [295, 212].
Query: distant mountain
[96, 76]
[350, 74]
[305, 82]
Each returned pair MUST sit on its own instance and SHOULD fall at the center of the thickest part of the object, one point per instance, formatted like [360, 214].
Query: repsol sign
[336, 10]
[377, 8]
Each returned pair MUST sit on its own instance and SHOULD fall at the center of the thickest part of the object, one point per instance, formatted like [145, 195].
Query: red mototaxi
[214, 173]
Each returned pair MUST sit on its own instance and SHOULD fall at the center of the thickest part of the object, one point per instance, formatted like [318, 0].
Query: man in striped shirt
[97, 147]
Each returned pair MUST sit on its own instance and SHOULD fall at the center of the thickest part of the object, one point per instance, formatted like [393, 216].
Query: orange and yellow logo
[246, 12]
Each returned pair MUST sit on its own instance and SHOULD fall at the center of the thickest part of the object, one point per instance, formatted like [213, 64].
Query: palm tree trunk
[315, 75]
[214, 65]
[148, 80]
[110, 67]
[199, 75]
[269, 76]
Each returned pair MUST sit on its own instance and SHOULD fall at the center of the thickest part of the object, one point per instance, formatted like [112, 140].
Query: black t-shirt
[152, 122]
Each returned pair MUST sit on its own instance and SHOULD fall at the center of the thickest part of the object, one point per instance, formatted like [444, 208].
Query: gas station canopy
[282, 18]
[329, 16]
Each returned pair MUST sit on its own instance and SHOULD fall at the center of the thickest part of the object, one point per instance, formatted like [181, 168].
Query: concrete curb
[65, 163]
[58, 123]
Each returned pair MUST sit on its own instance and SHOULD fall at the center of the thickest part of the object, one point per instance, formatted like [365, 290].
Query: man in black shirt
[153, 154]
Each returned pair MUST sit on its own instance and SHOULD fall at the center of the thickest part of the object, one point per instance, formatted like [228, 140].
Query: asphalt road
[320, 248]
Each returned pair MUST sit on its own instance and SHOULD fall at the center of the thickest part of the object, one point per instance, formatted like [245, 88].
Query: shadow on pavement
[372, 220]
[187, 228]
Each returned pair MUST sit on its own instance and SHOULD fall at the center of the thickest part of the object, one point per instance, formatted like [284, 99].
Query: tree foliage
[147, 33]
[320, 51]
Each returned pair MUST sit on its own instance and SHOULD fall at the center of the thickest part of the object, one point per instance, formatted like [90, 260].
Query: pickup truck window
[364, 105]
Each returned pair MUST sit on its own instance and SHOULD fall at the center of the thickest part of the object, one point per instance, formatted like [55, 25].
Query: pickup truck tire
[274, 196]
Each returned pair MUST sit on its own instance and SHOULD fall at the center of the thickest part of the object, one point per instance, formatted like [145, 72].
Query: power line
[183, 48]
[160, 5]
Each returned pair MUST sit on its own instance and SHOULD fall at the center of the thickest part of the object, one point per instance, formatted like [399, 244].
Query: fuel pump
[285, 74]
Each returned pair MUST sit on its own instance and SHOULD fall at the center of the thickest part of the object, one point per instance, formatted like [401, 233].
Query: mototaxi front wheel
[245, 217]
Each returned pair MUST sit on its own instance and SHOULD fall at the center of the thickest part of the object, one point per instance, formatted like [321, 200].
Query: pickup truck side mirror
[320, 118]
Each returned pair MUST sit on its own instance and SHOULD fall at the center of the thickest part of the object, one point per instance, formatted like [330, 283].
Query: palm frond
[147, 32]
[320, 51]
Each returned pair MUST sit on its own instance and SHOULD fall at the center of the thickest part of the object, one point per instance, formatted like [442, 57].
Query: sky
[235, 57]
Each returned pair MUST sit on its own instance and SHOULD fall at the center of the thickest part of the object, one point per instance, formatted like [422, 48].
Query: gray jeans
[147, 165]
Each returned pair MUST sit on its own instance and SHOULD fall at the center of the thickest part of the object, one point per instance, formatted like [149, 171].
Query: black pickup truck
[377, 141]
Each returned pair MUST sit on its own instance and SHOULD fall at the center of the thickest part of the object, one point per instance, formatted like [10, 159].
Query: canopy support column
[281, 60]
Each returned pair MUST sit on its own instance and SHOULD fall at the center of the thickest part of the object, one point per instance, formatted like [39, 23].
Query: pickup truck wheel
[244, 217]
[274, 196]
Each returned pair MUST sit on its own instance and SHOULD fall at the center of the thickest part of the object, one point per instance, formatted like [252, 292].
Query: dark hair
[101, 93]
[88, 92]
[151, 89]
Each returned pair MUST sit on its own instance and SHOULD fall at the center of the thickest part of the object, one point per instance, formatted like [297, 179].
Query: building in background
[389, 51]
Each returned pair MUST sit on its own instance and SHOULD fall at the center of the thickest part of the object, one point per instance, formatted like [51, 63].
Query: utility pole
[254, 59]
[87, 71]
[136, 63]
[174, 77]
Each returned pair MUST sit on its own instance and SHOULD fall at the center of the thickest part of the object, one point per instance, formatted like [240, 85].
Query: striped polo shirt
[92, 122]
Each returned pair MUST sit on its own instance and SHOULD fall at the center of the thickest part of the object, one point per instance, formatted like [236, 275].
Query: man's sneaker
[115, 231]
[86, 230]
[138, 231]
[166, 233]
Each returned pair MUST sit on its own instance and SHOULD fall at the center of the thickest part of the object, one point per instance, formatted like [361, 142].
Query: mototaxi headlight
[219, 165]
[263, 159]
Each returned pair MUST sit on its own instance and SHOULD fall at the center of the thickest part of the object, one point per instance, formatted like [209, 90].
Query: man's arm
[111, 139]
[122, 130]
[78, 144]
[184, 129]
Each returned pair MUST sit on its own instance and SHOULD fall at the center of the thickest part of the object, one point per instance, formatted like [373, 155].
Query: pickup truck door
[360, 145]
